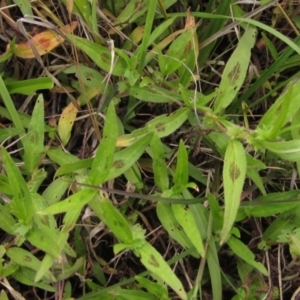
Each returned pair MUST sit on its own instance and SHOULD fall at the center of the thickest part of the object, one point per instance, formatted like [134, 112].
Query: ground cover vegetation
[150, 149]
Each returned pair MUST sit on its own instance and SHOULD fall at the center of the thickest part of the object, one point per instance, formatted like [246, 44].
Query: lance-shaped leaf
[155, 263]
[235, 71]
[234, 173]
[104, 157]
[288, 150]
[34, 141]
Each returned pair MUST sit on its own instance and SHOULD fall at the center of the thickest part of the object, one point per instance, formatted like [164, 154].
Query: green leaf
[46, 240]
[214, 270]
[3, 295]
[112, 217]
[151, 7]
[61, 157]
[7, 221]
[270, 204]
[29, 86]
[288, 150]
[155, 263]
[73, 202]
[176, 54]
[26, 259]
[157, 289]
[163, 125]
[34, 141]
[9, 104]
[24, 6]
[88, 76]
[170, 223]
[104, 157]
[154, 94]
[159, 165]
[282, 111]
[186, 219]
[242, 251]
[124, 159]
[235, 71]
[286, 221]
[234, 173]
[9, 133]
[56, 189]
[21, 205]
[181, 175]
[70, 271]
[26, 276]
[78, 167]
[43, 268]
[5, 187]
[99, 54]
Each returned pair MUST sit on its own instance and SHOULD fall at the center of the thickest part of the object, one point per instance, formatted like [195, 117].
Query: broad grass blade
[242, 251]
[159, 165]
[155, 263]
[234, 173]
[235, 71]
[104, 157]
[34, 141]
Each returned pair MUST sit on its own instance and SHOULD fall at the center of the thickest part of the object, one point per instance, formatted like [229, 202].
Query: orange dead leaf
[43, 42]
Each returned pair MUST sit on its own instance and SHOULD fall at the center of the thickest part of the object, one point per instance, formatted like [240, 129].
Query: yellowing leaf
[43, 42]
[66, 122]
